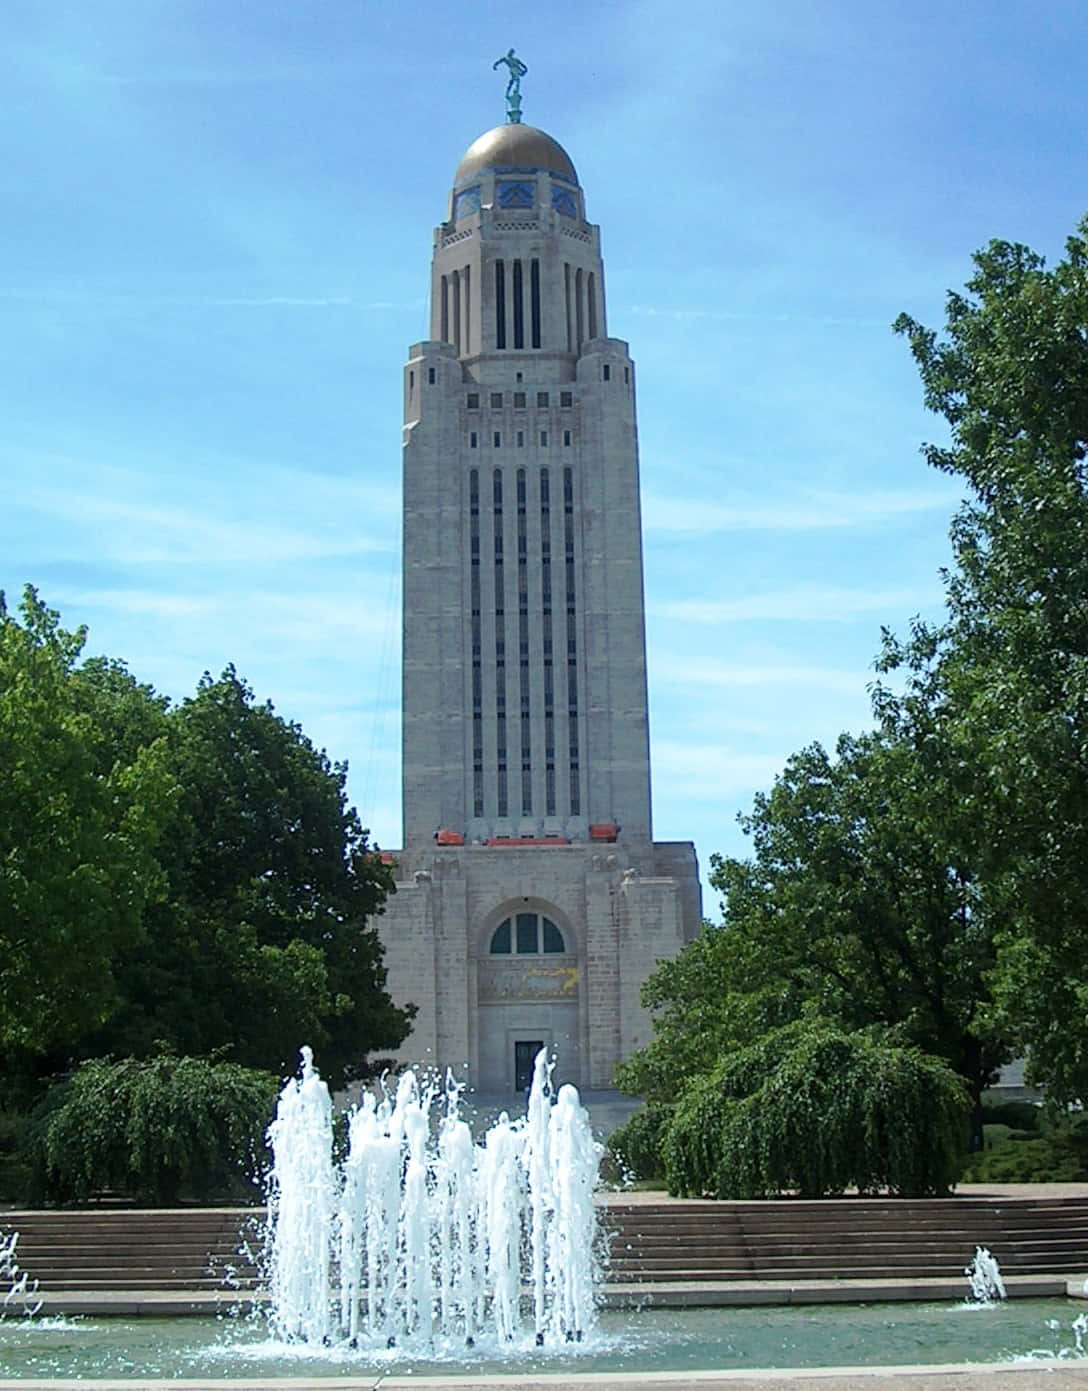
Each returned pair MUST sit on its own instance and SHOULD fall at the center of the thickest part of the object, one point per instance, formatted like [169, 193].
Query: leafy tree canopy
[930, 880]
[79, 818]
[853, 907]
[812, 1109]
[189, 877]
[1003, 680]
[262, 940]
[153, 1131]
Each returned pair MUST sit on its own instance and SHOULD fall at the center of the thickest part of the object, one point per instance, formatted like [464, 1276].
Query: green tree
[855, 906]
[1003, 680]
[79, 819]
[262, 940]
[154, 1131]
[813, 1109]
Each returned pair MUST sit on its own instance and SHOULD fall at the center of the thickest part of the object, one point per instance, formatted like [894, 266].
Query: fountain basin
[690, 1340]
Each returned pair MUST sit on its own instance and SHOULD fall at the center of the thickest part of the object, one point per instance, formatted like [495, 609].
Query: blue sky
[215, 255]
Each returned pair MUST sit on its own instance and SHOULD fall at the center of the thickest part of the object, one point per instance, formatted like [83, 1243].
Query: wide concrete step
[888, 1246]
[788, 1240]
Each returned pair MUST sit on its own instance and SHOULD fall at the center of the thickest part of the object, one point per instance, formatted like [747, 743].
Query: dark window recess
[496, 400]
[566, 439]
[430, 376]
[524, 1062]
[472, 401]
[606, 372]
[496, 439]
[472, 439]
[542, 399]
[519, 400]
[527, 934]
[566, 398]
[534, 301]
[519, 312]
[544, 439]
[500, 305]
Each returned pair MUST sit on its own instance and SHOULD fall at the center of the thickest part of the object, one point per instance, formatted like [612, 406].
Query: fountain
[21, 1293]
[984, 1277]
[430, 1241]
[424, 1252]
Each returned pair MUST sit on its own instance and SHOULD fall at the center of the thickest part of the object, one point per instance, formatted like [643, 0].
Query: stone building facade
[532, 901]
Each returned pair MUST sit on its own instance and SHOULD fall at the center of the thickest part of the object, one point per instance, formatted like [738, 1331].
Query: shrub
[635, 1146]
[155, 1132]
[1055, 1152]
[815, 1110]
[1017, 1115]
[14, 1173]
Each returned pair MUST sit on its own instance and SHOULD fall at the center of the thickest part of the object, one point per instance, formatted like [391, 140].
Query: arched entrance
[528, 993]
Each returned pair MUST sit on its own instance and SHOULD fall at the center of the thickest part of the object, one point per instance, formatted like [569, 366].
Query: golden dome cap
[514, 146]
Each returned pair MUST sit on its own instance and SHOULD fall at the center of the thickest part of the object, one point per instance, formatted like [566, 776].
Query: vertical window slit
[500, 643]
[468, 302]
[519, 308]
[534, 300]
[572, 644]
[445, 300]
[500, 305]
[477, 639]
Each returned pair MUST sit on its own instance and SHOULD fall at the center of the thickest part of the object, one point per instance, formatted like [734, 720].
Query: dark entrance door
[524, 1056]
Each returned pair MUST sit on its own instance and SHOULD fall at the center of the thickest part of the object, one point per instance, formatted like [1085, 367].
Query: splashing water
[984, 1277]
[301, 1207]
[431, 1239]
[21, 1293]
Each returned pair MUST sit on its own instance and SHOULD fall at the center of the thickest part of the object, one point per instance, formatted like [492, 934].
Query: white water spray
[21, 1292]
[301, 1207]
[431, 1241]
[984, 1277]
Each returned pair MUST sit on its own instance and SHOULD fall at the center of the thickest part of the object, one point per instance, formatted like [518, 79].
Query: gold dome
[514, 146]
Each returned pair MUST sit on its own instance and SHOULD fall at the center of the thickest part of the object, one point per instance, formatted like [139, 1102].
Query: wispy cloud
[672, 669]
[306, 517]
[808, 603]
[712, 771]
[308, 619]
[810, 512]
[721, 315]
[79, 296]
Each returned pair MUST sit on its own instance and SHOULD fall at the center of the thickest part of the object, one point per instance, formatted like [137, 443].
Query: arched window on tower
[527, 934]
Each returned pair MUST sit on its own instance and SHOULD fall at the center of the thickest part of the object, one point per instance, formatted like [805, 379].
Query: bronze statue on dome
[517, 70]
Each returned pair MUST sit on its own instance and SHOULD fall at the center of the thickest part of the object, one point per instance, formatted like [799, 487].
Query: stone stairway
[655, 1242]
[179, 1249]
[843, 1239]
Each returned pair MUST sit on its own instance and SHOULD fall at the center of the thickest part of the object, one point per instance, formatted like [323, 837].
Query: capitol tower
[532, 901]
